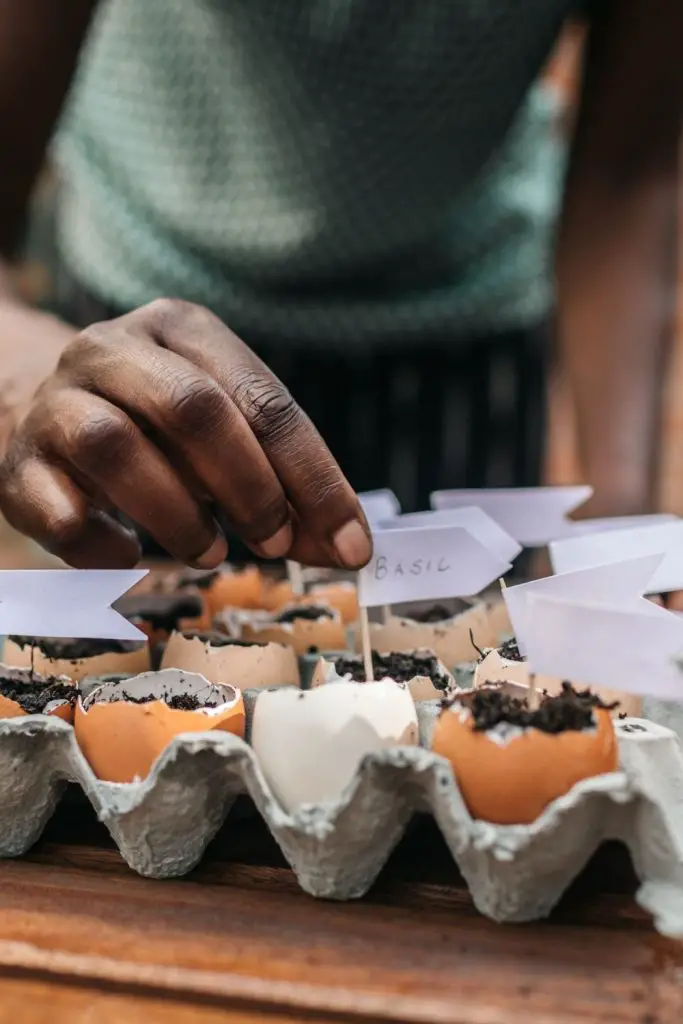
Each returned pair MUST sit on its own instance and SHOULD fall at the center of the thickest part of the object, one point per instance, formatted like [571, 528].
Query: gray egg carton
[163, 824]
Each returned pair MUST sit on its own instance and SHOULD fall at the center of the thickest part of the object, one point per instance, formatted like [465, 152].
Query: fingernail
[353, 546]
[277, 545]
[216, 554]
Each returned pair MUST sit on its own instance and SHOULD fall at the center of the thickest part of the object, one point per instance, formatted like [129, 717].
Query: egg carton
[163, 824]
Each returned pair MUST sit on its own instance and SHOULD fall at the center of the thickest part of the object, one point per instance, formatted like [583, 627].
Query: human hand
[157, 414]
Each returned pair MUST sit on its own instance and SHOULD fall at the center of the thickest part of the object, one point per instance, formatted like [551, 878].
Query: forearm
[616, 306]
[616, 254]
[39, 45]
[30, 346]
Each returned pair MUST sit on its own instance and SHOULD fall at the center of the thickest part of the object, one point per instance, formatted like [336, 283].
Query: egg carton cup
[163, 824]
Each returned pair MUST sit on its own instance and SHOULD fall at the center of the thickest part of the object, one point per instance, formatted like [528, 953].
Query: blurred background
[38, 274]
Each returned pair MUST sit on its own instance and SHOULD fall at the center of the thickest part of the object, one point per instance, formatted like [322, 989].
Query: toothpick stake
[366, 646]
[532, 696]
[295, 573]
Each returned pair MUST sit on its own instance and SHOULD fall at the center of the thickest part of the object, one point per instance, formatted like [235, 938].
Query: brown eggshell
[511, 781]
[341, 595]
[12, 709]
[326, 634]
[450, 640]
[237, 589]
[276, 594]
[494, 669]
[420, 687]
[248, 667]
[113, 663]
[121, 740]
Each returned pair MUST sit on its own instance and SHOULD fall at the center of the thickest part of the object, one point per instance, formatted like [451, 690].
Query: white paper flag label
[419, 564]
[664, 539]
[615, 648]
[619, 585]
[610, 523]
[380, 504]
[532, 515]
[476, 522]
[67, 603]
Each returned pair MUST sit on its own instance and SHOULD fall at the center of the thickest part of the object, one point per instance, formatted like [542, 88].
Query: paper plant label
[419, 564]
[532, 515]
[67, 603]
[664, 539]
[474, 520]
[380, 504]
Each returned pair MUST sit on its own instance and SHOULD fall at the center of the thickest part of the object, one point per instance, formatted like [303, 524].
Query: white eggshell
[310, 743]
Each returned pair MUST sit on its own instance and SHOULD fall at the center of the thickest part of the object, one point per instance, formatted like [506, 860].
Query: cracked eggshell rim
[55, 709]
[421, 687]
[509, 775]
[340, 594]
[254, 667]
[133, 662]
[310, 743]
[493, 669]
[326, 633]
[449, 639]
[121, 740]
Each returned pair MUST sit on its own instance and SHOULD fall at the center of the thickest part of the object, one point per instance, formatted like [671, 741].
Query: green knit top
[317, 171]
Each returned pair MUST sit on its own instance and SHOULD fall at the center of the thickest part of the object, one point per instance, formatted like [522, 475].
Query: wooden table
[83, 939]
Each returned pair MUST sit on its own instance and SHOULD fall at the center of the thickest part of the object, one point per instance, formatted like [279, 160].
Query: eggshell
[241, 588]
[121, 740]
[341, 595]
[450, 640]
[420, 687]
[252, 666]
[509, 775]
[326, 634]
[12, 709]
[276, 594]
[115, 662]
[494, 669]
[309, 743]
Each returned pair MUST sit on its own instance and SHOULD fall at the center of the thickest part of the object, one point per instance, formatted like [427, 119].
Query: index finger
[328, 520]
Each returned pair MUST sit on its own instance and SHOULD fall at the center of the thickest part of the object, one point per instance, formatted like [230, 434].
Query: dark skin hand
[159, 413]
[163, 411]
[156, 413]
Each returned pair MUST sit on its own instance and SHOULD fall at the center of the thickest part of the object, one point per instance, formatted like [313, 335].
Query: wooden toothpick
[295, 574]
[366, 645]
[532, 696]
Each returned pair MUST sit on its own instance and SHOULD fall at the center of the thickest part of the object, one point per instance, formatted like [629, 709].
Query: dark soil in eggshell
[438, 613]
[161, 611]
[202, 580]
[220, 639]
[397, 665]
[176, 701]
[569, 710]
[63, 649]
[34, 695]
[311, 612]
[510, 651]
